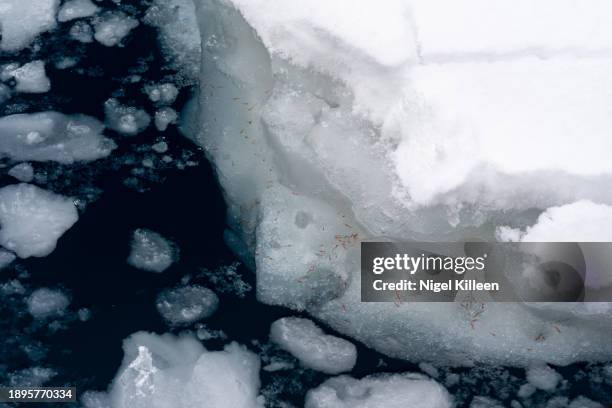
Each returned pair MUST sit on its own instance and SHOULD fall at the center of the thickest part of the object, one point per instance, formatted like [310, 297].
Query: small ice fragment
[31, 78]
[111, 28]
[187, 304]
[45, 302]
[164, 94]
[543, 377]
[151, 251]
[429, 369]
[389, 391]
[84, 314]
[315, 349]
[22, 172]
[53, 136]
[82, 32]
[165, 117]
[76, 9]
[33, 219]
[160, 147]
[126, 120]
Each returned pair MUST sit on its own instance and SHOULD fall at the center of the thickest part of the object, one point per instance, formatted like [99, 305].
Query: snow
[177, 372]
[164, 117]
[315, 349]
[22, 172]
[33, 219]
[187, 304]
[22, 21]
[389, 391]
[543, 377]
[151, 252]
[111, 28]
[127, 120]
[331, 123]
[73, 9]
[53, 136]
[31, 78]
[45, 302]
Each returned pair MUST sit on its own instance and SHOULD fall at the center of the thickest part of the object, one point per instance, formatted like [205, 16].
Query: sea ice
[151, 251]
[31, 78]
[163, 94]
[81, 31]
[126, 120]
[53, 136]
[315, 349]
[22, 172]
[73, 9]
[385, 390]
[187, 304]
[22, 21]
[164, 117]
[33, 219]
[543, 377]
[111, 28]
[177, 372]
[45, 302]
[331, 123]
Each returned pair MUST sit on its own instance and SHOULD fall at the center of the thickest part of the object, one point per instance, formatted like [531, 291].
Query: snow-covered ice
[53, 136]
[23, 172]
[127, 120]
[315, 349]
[150, 251]
[389, 391]
[22, 21]
[33, 219]
[73, 9]
[177, 372]
[330, 123]
[111, 28]
[186, 304]
[31, 78]
[543, 377]
[45, 302]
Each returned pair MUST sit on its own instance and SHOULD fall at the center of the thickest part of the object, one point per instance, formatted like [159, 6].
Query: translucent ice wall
[331, 122]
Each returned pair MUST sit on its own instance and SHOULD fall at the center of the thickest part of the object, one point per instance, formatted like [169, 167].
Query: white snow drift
[33, 219]
[53, 136]
[333, 122]
[315, 349]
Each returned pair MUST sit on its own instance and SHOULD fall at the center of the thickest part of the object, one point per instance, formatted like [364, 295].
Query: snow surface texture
[330, 123]
[21, 21]
[187, 304]
[53, 136]
[177, 372]
[33, 219]
[389, 391]
[315, 349]
[151, 251]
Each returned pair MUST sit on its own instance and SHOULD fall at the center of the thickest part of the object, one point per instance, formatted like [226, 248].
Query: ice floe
[150, 251]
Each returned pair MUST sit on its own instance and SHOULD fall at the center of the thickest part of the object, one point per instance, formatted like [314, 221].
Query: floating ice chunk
[76, 9]
[95, 399]
[31, 78]
[584, 402]
[46, 302]
[151, 251]
[111, 28]
[187, 304]
[389, 391]
[126, 120]
[22, 21]
[543, 377]
[485, 402]
[177, 372]
[6, 258]
[33, 219]
[31, 377]
[315, 349]
[160, 147]
[53, 136]
[526, 390]
[429, 369]
[81, 31]
[22, 172]
[164, 94]
[164, 117]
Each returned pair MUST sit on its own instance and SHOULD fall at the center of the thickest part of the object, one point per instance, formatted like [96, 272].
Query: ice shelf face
[334, 122]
